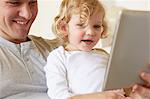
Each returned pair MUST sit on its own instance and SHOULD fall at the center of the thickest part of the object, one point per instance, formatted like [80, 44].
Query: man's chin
[20, 40]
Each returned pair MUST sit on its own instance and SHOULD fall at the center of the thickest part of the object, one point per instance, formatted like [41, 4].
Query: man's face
[16, 18]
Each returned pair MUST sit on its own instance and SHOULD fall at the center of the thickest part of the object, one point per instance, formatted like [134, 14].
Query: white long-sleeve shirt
[74, 72]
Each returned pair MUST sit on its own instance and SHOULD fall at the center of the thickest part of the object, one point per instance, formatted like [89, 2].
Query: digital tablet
[130, 51]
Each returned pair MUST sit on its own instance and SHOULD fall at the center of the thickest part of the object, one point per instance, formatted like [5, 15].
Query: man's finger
[146, 77]
[142, 91]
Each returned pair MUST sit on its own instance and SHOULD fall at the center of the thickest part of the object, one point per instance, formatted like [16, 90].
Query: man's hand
[142, 91]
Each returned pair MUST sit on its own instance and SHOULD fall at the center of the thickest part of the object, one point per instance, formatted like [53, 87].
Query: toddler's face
[84, 36]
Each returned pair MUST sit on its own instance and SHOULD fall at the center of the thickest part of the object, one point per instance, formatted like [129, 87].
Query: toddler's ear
[63, 28]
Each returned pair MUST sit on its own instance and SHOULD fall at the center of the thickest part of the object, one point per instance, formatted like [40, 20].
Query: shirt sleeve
[56, 76]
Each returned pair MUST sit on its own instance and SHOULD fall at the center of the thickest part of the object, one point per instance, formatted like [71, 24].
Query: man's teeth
[22, 23]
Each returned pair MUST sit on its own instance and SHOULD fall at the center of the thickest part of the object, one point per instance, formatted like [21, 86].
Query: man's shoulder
[37, 38]
[52, 43]
[44, 45]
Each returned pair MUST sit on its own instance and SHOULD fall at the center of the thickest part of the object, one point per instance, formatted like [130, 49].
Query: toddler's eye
[97, 26]
[81, 25]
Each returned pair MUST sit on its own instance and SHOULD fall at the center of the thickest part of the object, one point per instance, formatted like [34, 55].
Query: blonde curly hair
[83, 7]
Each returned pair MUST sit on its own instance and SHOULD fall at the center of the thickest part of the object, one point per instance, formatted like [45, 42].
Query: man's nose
[25, 12]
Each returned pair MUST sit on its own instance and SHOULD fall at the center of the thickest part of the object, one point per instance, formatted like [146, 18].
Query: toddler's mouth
[86, 40]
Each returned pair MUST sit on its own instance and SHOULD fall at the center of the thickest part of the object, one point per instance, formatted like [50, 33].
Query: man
[22, 57]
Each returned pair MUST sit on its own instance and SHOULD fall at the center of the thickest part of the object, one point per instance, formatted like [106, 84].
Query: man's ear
[63, 28]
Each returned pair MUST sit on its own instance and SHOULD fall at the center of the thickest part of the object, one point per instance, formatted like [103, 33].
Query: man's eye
[33, 2]
[14, 3]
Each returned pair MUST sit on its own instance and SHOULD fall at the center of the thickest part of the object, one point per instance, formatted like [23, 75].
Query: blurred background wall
[48, 9]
